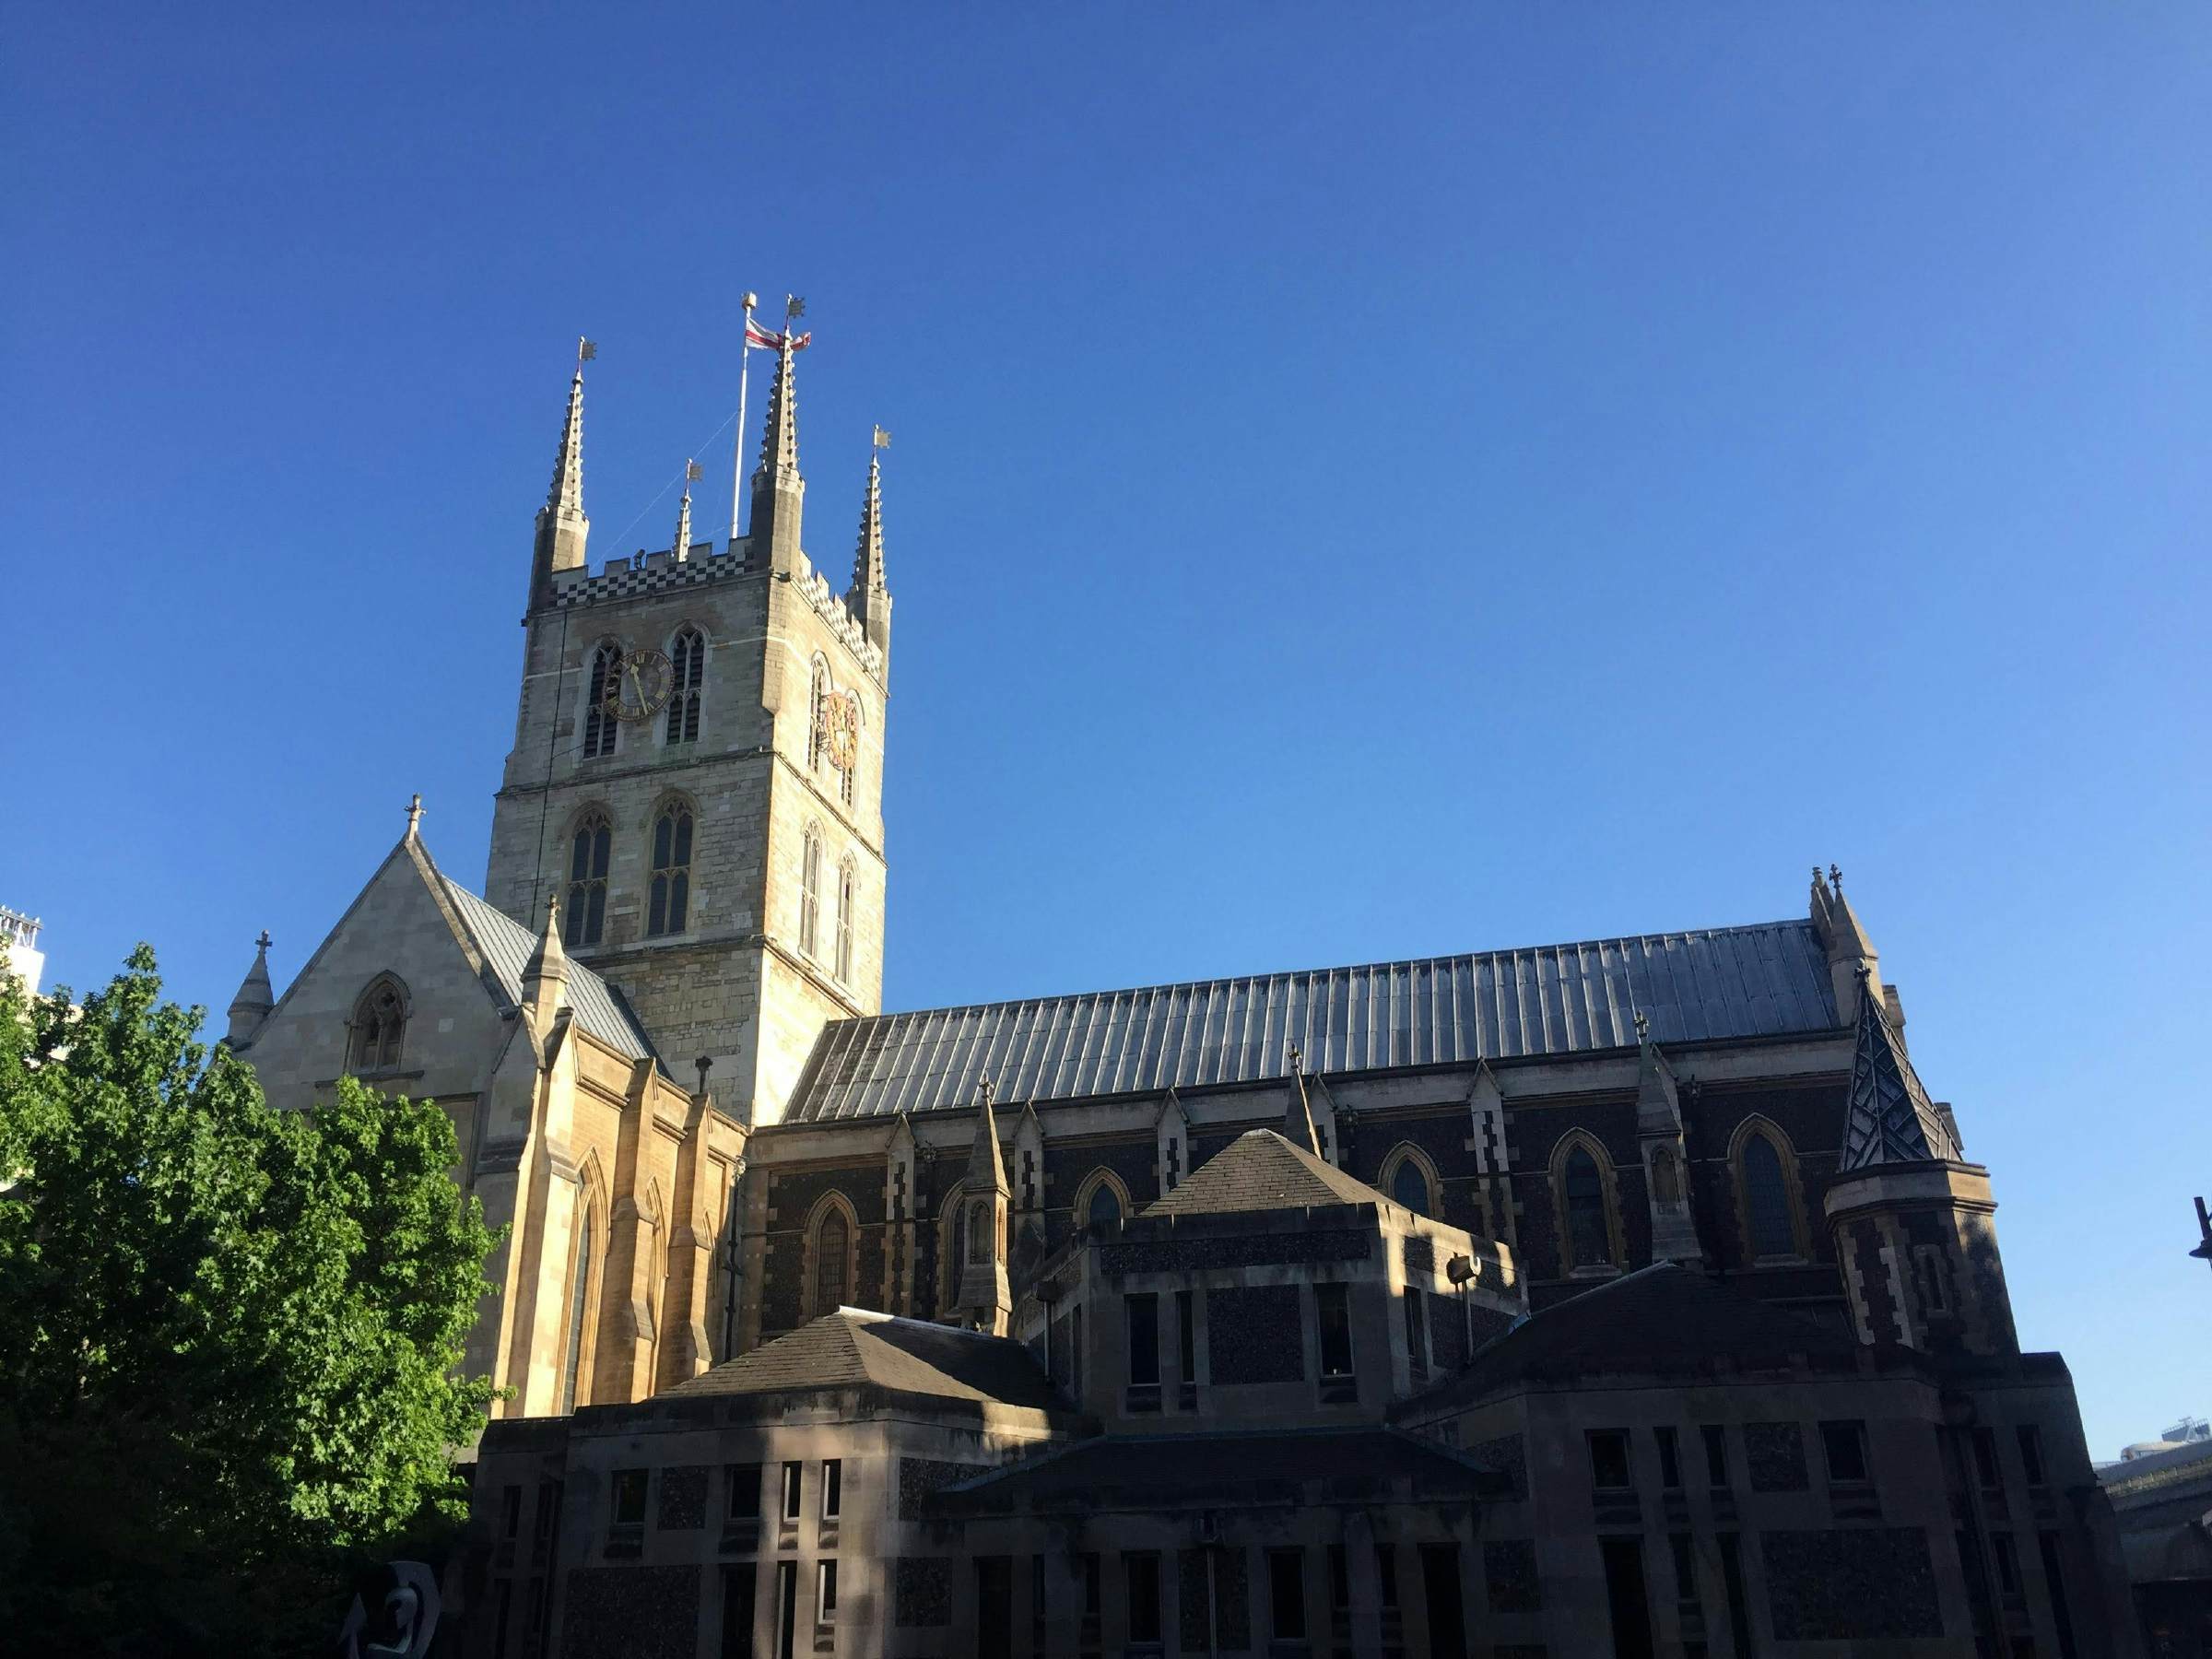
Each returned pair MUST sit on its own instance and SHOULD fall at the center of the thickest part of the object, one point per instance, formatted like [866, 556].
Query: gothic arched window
[1770, 1219]
[1105, 1205]
[670, 900]
[959, 1239]
[590, 850]
[572, 1367]
[687, 674]
[845, 878]
[599, 726]
[810, 892]
[979, 1231]
[1409, 1186]
[818, 699]
[1583, 1185]
[380, 1025]
[832, 1239]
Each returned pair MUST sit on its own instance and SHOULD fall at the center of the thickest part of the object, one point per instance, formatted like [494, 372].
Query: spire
[986, 1165]
[869, 599]
[561, 525]
[256, 996]
[682, 546]
[546, 974]
[1298, 1111]
[778, 493]
[1890, 1118]
[1852, 961]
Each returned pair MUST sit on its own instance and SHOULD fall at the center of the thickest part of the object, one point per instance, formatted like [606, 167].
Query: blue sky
[1365, 485]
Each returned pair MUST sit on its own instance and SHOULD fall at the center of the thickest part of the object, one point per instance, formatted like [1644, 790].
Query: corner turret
[562, 529]
[869, 599]
[1851, 955]
[255, 995]
[779, 492]
[985, 1298]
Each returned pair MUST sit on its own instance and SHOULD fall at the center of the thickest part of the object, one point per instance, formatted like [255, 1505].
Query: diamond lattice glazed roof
[1557, 999]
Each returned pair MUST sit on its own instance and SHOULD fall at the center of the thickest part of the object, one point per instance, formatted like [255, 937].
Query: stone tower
[697, 771]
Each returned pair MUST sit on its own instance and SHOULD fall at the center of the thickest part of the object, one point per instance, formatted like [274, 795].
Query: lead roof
[1764, 980]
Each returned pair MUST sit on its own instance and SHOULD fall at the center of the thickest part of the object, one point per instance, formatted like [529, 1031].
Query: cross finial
[705, 1063]
[1298, 1060]
[263, 942]
[1835, 878]
[414, 817]
[985, 1090]
[1643, 1025]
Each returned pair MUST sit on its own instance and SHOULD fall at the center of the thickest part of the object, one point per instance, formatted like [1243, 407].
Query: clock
[840, 730]
[638, 687]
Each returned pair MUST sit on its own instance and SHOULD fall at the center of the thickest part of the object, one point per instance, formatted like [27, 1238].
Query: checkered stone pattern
[640, 578]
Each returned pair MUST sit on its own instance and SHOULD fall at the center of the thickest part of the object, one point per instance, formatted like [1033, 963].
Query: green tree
[229, 1335]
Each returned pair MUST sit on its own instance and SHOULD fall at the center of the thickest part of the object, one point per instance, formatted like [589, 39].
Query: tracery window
[380, 1025]
[579, 1307]
[599, 726]
[845, 881]
[669, 900]
[832, 1239]
[687, 675]
[1769, 1219]
[978, 1232]
[810, 892]
[590, 850]
[1589, 1235]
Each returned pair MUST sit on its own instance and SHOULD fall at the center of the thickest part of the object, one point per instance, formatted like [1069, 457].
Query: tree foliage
[229, 1335]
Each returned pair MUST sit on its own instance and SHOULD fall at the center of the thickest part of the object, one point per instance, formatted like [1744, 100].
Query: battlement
[16, 928]
[814, 587]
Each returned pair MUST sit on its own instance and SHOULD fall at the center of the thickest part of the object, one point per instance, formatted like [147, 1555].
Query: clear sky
[1365, 484]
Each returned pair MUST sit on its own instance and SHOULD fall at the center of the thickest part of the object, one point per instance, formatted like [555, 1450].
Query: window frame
[1619, 1442]
[686, 679]
[1286, 1591]
[590, 875]
[833, 1488]
[810, 892]
[668, 888]
[601, 730]
[1790, 1192]
[381, 1008]
[1581, 1143]
[1850, 1432]
[794, 1503]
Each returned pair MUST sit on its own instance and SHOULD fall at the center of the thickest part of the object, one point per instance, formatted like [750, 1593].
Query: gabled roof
[1890, 1119]
[1716, 983]
[1662, 1320]
[1261, 1171]
[855, 1348]
[507, 946]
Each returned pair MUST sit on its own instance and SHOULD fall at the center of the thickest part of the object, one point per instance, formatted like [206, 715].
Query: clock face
[641, 685]
[840, 730]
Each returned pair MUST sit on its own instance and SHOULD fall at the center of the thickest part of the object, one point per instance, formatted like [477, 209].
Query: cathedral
[1630, 1295]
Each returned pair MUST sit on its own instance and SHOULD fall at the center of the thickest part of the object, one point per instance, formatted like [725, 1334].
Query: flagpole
[745, 358]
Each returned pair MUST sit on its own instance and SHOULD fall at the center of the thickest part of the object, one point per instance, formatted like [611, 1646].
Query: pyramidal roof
[856, 1349]
[1890, 1119]
[1262, 1170]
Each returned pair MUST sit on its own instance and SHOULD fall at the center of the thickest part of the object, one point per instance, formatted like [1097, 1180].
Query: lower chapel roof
[1764, 980]
[855, 1348]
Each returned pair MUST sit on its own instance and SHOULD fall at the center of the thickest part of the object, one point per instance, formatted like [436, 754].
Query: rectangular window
[2054, 1580]
[744, 1481]
[1075, 1334]
[1716, 1455]
[1625, 1598]
[787, 1609]
[1144, 1341]
[1846, 1446]
[629, 1498]
[793, 1476]
[1091, 1599]
[1610, 1460]
[1186, 1338]
[1332, 1304]
[2009, 1562]
[1987, 1469]
[737, 1612]
[2031, 1452]
[833, 1487]
[1686, 1567]
[1417, 1333]
[1287, 1593]
[1670, 1460]
[1340, 1580]
[825, 1593]
[548, 1518]
[498, 1629]
[1142, 1572]
[1386, 1574]
[1732, 1576]
[511, 1512]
